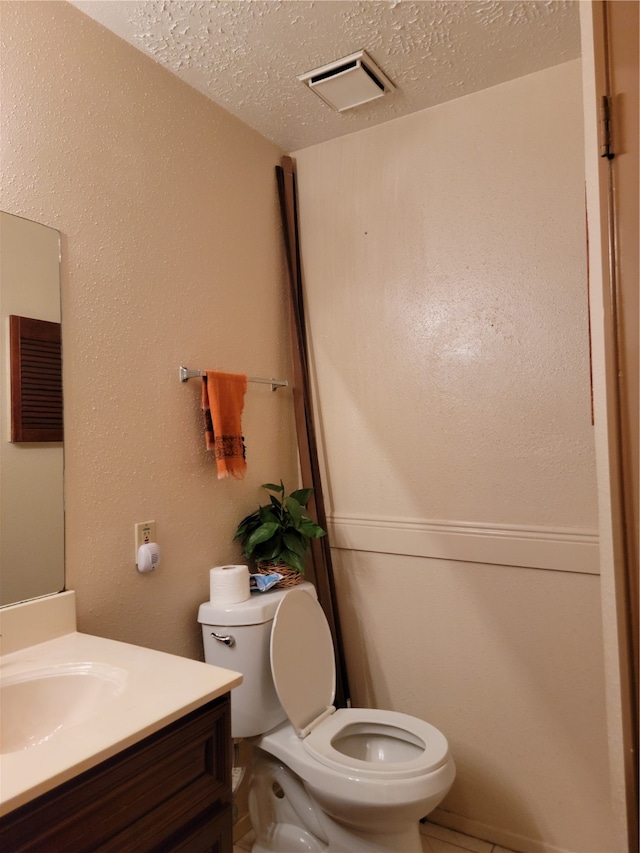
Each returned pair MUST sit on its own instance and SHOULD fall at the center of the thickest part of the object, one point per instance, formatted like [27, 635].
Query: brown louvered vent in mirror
[36, 380]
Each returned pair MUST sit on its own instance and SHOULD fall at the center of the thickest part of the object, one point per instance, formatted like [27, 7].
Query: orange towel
[222, 405]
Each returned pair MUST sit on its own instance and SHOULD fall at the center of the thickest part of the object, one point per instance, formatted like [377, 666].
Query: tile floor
[435, 839]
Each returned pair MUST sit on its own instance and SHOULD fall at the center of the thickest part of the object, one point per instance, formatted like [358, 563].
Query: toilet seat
[422, 747]
[367, 742]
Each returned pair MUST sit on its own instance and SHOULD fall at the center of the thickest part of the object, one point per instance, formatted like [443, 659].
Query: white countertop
[158, 688]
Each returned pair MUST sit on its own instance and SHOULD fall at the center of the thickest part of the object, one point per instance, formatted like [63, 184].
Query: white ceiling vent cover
[348, 82]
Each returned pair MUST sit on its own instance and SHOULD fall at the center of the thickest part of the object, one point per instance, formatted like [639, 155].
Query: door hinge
[604, 128]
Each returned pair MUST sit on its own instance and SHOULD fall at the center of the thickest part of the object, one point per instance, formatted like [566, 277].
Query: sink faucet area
[70, 700]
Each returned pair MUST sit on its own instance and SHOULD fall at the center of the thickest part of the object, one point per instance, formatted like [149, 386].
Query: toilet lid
[302, 662]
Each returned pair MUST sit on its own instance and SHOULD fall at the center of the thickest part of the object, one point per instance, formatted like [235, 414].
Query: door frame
[618, 546]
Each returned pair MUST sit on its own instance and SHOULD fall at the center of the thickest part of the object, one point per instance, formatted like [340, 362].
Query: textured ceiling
[246, 55]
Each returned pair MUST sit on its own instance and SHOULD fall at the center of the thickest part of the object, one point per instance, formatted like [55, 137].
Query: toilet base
[287, 819]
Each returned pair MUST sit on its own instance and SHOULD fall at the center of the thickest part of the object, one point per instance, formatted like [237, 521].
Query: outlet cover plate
[145, 532]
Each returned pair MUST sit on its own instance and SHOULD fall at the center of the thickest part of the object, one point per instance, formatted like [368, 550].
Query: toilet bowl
[366, 796]
[348, 779]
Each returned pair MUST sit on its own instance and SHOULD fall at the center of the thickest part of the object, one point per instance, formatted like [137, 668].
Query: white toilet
[346, 780]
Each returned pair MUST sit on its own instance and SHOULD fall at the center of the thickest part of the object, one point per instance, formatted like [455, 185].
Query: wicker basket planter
[290, 577]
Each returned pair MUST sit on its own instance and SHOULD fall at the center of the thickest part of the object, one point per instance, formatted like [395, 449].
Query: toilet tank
[245, 647]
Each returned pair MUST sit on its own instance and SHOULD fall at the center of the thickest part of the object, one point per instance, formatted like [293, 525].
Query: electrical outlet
[145, 532]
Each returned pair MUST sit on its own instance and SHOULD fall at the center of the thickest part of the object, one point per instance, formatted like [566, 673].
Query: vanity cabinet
[170, 792]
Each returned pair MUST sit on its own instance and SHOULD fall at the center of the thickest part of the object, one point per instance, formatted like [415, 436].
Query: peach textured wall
[444, 262]
[172, 255]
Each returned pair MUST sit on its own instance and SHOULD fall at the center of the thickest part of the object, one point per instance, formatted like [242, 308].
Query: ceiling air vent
[348, 82]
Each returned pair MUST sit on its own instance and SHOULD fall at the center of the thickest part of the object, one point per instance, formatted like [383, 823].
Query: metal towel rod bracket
[186, 374]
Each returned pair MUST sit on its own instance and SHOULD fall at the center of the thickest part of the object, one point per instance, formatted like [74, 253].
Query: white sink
[69, 701]
[38, 703]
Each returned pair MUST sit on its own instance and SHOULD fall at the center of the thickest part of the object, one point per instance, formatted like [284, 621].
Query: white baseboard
[501, 837]
[527, 546]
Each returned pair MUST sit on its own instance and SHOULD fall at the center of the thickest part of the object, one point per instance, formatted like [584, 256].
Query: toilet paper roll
[229, 584]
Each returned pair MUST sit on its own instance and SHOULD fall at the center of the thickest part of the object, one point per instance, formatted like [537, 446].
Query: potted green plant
[277, 535]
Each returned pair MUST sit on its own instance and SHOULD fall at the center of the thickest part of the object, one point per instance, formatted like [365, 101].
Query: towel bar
[186, 374]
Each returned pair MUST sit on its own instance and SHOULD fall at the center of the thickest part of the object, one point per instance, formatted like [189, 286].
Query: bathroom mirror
[31, 489]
